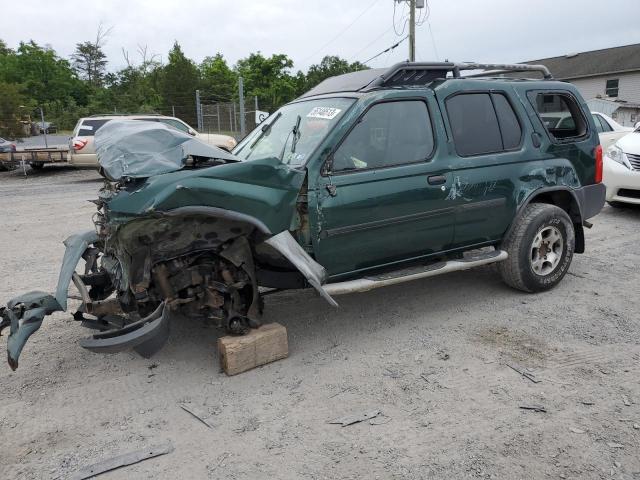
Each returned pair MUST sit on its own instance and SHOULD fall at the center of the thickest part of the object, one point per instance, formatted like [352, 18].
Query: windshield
[293, 132]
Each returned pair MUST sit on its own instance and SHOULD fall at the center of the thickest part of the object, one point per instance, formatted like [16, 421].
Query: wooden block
[260, 346]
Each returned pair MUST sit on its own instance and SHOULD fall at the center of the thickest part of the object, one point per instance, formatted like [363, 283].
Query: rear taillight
[598, 155]
[79, 144]
[13, 147]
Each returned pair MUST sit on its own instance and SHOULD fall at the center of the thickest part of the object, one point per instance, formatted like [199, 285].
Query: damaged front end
[164, 248]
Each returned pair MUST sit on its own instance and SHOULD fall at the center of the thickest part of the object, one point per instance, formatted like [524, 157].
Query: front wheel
[540, 248]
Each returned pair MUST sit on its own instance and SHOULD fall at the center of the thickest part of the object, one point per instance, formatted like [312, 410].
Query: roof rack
[414, 73]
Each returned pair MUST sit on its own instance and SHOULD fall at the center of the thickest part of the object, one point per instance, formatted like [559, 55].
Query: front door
[385, 199]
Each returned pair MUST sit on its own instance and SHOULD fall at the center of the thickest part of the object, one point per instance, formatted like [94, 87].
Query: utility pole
[243, 128]
[412, 30]
[198, 110]
[44, 130]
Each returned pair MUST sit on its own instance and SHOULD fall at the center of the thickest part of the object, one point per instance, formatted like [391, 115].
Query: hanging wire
[404, 20]
[392, 47]
[341, 32]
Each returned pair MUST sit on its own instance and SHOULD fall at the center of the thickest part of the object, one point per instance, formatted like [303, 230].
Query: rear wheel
[540, 248]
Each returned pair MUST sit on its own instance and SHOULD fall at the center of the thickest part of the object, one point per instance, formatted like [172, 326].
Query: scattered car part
[104, 466]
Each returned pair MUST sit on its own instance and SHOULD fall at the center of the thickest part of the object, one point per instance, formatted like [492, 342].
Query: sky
[459, 30]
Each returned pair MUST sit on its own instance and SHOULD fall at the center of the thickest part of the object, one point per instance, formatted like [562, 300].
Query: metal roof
[593, 63]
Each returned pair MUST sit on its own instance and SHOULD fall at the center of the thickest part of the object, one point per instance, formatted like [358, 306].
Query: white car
[621, 172]
[609, 130]
[82, 151]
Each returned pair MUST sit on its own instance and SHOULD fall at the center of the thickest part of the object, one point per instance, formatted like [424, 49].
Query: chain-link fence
[224, 118]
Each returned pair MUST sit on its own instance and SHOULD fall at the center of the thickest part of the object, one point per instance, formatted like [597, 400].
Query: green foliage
[330, 66]
[268, 78]
[90, 63]
[35, 76]
[10, 110]
[219, 82]
[179, 80]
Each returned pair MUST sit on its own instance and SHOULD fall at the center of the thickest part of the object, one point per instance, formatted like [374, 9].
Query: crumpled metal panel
[25, 313]
[140, 149]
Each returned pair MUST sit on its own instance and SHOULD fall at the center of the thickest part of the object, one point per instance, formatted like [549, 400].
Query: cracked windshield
[293, 132]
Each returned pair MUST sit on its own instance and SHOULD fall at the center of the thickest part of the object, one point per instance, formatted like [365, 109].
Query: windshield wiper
[264, 130]
[296, 135]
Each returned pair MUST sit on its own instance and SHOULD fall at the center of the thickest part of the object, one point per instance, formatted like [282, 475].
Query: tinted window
[571, 122]
[601, 124]
[509, 125]
[388, 134]
[89, 127]
[474, 124]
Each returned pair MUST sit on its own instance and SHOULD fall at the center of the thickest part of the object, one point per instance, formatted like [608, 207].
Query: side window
[390, 133]
[571, 124]
[90, 127]
[600, 120]
[509, 125]
[596, 120]
[483, 123]
[175, 124]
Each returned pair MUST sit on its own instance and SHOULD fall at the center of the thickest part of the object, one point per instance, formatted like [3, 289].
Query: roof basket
[413, 73]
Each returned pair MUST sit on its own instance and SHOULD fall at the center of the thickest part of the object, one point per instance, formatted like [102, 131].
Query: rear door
[488, 139]
[384, 200]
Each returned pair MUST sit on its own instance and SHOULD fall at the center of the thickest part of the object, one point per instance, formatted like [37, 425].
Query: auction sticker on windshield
[326, 113]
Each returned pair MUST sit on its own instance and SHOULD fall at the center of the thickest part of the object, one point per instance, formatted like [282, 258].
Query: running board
[414, 273]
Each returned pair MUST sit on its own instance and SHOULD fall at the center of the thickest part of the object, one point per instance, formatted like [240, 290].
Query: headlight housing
[616, 154]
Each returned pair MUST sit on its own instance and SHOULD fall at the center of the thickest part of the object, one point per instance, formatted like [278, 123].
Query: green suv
[370, 179]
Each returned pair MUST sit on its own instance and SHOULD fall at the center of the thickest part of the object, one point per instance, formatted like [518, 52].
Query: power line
[370, 43]
[392, 47]
[341, 32]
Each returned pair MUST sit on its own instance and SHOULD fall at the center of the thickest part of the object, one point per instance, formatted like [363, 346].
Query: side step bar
[369, 283]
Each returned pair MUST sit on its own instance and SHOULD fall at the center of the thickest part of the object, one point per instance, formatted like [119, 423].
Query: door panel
[382, 216]
[379, 206]
[490, 134]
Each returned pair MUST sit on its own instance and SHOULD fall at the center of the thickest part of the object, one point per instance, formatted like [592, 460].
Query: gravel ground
[430, 355]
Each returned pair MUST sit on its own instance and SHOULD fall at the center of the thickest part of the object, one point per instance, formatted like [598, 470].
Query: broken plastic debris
[360, 417]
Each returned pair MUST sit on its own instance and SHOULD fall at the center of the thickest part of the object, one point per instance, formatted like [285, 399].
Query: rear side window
[390, 133]
[570, 124]
[483, 123]
[601, 124]
[89, 127]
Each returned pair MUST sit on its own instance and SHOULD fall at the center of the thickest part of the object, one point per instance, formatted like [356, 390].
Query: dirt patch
[430, 355]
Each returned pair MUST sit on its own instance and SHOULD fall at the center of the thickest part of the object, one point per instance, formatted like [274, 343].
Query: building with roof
[608, 79]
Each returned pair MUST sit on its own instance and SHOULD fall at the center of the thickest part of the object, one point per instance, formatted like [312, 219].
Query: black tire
[518, 270]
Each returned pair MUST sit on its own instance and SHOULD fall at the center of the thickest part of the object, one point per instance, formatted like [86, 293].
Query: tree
[329, 67]
[89, 61]
[268, 78]
[180, 79]
[11, 102]
[218, 80]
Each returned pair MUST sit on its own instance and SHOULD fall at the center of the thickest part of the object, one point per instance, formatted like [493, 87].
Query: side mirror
[192, 132]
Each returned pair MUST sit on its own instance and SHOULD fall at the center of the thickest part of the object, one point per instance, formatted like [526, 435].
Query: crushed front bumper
[25, 313]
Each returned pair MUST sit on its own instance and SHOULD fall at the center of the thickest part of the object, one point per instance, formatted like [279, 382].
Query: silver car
[82, 151]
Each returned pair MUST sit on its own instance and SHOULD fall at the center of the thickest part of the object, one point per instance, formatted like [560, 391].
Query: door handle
[437, 180]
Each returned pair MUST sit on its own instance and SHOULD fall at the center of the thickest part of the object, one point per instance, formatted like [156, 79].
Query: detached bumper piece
[24, 315]
[145, 336]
